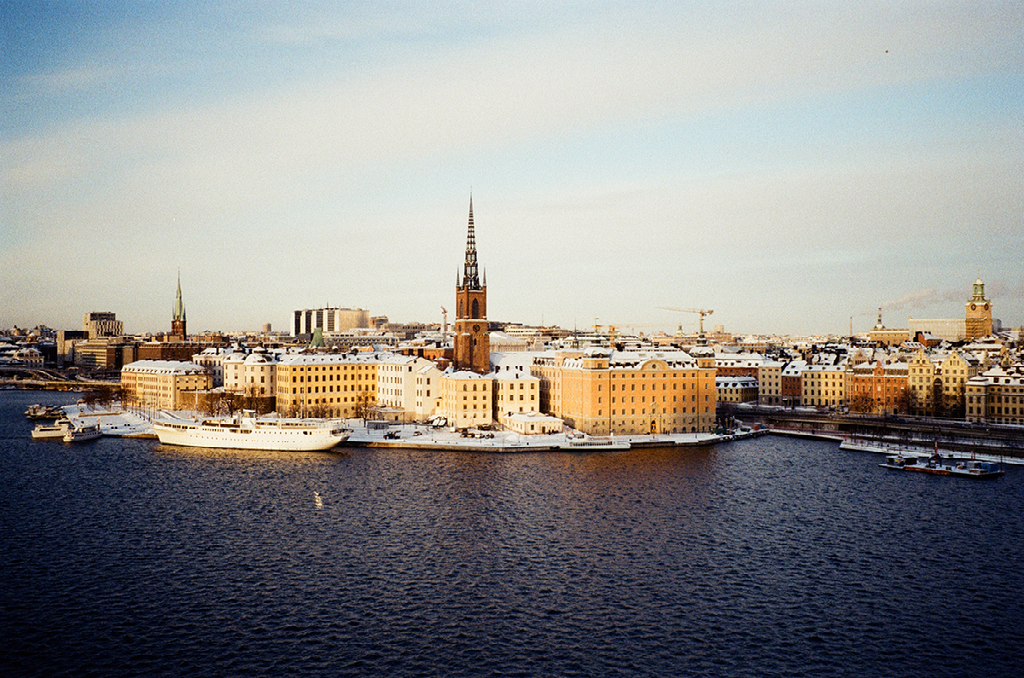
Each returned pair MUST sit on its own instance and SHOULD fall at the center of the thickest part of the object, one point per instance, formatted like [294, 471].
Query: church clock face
[476, 328]
[974, 307]
[986, 307]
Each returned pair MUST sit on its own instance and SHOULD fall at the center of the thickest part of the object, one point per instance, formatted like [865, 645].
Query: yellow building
[956, 369]
[884, 336]
[921, 382]
[603, 392]
[327, 385]
[769, 381]
[996, 396]
[466, 398]
[736, 389]
[164, 384]
[938, 381]
[823, 385]
[515, 393]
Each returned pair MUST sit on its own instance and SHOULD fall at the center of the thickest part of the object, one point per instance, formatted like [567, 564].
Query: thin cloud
[594, 113]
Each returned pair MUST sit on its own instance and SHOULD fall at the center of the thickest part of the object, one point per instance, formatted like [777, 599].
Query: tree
[318, 411]
[913, 402]
[250, 399]
[955, 404]
[862, 403]
[362, 406]
[212, 403]
[937, 397]
[902, 402]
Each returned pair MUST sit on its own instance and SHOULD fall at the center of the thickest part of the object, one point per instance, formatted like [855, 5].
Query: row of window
[654, 410]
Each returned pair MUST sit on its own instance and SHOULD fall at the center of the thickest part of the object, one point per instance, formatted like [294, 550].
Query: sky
[793, 167]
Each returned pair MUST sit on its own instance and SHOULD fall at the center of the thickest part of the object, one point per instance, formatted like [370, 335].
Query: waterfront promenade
[951, 437]
[136, 423]
[955, 436]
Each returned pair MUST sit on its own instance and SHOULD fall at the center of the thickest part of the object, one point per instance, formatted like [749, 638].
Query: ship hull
[251, 436]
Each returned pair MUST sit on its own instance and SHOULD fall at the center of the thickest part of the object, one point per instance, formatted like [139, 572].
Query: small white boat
[78, 434]
[594, 443]
[55, 431]
[38, 411]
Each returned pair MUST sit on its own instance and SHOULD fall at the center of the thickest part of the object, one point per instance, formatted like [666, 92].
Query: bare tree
[318, 411]
[862, 403]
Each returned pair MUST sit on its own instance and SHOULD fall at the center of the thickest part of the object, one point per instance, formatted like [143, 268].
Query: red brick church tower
[472, 338]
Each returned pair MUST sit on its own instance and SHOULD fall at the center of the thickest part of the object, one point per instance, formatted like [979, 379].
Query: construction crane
[702, 311]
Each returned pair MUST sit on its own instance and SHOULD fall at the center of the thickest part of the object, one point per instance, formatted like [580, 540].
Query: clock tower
[472, 337]
[978, 321]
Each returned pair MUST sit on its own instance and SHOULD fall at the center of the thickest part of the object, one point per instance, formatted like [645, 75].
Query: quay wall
[949, 435]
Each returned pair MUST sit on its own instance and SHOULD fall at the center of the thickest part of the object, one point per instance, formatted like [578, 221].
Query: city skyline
[790, 169]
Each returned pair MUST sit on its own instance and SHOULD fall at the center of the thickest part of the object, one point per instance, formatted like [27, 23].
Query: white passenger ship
[247, 432]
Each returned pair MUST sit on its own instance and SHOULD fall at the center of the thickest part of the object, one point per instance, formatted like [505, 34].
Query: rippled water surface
[770, 557]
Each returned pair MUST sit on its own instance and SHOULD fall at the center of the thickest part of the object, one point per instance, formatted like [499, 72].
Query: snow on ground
[114, 421]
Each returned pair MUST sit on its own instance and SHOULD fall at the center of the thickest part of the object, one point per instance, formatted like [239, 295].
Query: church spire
[470, 272]
[178, 317]
[179, 305]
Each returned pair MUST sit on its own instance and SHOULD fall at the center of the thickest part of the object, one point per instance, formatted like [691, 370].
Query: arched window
[476, 308]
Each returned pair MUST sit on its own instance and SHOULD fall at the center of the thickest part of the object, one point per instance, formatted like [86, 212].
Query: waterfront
[767, 557]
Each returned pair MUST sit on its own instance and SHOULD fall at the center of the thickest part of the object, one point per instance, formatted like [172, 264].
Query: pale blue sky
[789, 167]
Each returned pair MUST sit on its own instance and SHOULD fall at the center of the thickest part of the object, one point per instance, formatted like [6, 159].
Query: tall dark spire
[178, 316]
[179, 305]
[470, 273]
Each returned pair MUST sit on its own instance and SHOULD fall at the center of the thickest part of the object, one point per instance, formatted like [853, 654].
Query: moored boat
[82, 432]
[38, 411]
[55, 431]
[248, 432]
[948, 466]
[595, 443]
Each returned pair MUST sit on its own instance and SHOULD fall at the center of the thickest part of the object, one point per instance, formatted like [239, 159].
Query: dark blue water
[771, 557]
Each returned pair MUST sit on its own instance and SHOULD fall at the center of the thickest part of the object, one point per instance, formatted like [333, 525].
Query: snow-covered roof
[464, 374]
[735, 382]
[164, 367]
[300, 359]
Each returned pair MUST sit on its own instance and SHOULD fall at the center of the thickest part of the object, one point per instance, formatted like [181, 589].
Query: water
[768, 557]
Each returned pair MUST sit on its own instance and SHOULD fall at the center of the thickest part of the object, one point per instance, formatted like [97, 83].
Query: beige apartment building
[515, 392]
[823, 385]
[996, 396]
[164, 384]
[409, 385]
[956, 369]
[921, 382]
[466, 398]
[736, 389]
[327, 384]
[938, 382]
[602, 391]
[253, 374]
[769, 380]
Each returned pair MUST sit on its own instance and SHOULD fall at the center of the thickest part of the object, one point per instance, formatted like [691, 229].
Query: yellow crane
[702, 311]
